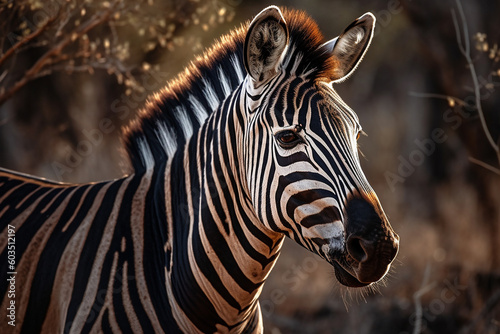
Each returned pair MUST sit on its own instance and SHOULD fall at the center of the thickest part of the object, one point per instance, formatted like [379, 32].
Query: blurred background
[73, 72]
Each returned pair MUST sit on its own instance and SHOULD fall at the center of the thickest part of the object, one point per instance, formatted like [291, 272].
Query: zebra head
[301, 157]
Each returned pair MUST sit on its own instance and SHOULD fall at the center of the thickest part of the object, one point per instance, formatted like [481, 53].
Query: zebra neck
[214, 228]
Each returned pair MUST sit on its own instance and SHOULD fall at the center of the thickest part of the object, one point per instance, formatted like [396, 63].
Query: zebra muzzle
[370, 247]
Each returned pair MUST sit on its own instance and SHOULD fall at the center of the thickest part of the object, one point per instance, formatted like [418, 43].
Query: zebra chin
[348, 279]
[354, 275]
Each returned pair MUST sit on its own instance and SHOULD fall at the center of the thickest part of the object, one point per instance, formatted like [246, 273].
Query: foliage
[84, 36]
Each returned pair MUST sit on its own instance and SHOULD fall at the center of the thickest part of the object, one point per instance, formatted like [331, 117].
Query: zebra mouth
[346, 278]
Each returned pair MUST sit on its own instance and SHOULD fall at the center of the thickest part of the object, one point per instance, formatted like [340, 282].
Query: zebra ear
[265, 43]
[349, 48]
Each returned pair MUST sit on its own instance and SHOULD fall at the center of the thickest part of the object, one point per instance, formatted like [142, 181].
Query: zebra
[251, 144]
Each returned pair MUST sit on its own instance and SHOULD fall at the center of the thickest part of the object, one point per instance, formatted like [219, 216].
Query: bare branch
[464, 26]
[47, 58]
[457, 32]
[484, 165]
[424, 288]
[34, 45]
[472, 70]
[68, 44]
[489, 306]
[108, 65]
[440, 96]
[64, 21]
[26, 39]
[3, 75]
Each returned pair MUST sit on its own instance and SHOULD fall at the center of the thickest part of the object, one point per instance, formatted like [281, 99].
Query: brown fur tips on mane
[171, 115]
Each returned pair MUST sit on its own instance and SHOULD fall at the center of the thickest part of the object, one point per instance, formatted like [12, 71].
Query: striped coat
[250, 145]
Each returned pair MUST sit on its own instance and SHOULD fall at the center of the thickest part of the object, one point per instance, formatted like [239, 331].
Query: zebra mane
[173, 114]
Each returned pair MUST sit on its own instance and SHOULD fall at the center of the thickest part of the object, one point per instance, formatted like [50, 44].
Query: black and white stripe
[250, 145]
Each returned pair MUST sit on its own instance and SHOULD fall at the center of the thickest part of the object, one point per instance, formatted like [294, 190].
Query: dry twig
[465, 50]
[80, 36]
[50, 57]
[489, 306]
[424, 288]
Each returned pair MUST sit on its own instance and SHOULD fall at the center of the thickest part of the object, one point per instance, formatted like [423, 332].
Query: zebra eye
[288, 138]
[360, 132]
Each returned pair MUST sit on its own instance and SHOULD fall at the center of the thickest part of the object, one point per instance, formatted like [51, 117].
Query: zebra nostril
[357, 248]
